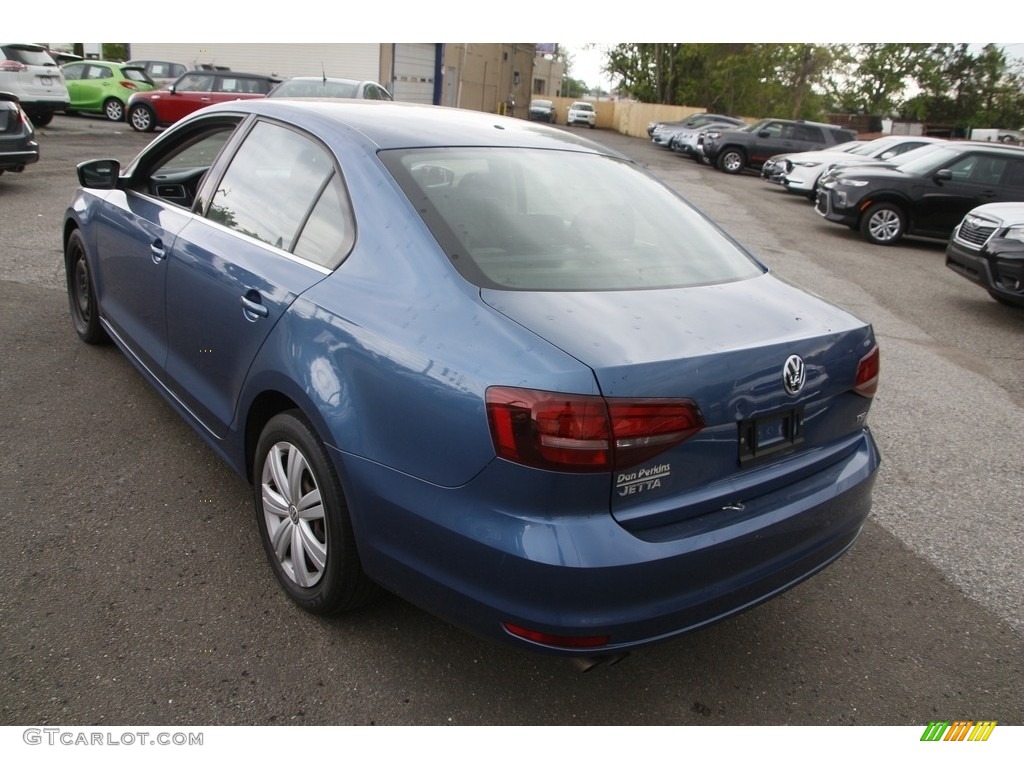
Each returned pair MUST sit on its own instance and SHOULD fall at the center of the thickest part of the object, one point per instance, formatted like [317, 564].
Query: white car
[801, 172]
[582, 112]
[30, 73]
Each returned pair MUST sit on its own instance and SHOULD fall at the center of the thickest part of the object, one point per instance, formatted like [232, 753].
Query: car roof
[995, 146]
[102, 63]
[397, 125]
[317, 78]
[230, 73]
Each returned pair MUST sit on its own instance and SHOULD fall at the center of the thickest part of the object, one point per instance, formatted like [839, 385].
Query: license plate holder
[770, 435]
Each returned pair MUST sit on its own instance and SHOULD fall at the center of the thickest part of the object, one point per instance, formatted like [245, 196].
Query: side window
[74, 71]
[176, 176]
[228, 85]
[327, 234]
[809, 133]
[195, 82]
[271, 187]
[963, 167]
[1016, 175]
[99, 73]
[241, 85]
[989, 170]
[771, 130]
[906, 146]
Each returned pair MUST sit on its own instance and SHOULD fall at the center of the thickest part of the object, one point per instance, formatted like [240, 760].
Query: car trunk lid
[729, 347]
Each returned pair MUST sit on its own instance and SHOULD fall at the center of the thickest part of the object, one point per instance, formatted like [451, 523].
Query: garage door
[415, 67]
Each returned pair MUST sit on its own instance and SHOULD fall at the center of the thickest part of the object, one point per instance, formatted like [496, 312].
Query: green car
[103, 87]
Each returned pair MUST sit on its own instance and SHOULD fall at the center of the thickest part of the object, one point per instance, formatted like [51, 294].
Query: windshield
[551, 220]
[925, 159]
[753, 128]
[853, 147]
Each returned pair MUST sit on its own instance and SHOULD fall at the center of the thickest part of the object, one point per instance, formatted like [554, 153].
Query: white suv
[30, 73]
[582, 112]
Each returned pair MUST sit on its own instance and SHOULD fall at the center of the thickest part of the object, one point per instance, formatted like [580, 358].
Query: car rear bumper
[38, 106]
[14, 161]
[481, 562]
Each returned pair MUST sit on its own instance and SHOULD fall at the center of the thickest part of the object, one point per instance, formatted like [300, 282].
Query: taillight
[9, 65]
[129, 85]
[585, 433]
[558, 641]
[866, 383]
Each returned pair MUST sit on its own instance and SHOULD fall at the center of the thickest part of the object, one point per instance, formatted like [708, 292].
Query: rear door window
[282, 188]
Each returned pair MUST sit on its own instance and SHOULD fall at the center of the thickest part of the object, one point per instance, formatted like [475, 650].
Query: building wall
[358, 61]
[486, 76]
[479, 76]
[547, 77]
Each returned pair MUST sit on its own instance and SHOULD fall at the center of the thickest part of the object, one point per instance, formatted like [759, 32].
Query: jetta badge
[794, 374]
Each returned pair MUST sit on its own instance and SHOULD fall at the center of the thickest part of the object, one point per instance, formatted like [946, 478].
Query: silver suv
[30, 73]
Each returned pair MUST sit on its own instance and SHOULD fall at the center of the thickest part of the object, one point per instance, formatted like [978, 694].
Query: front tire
[142, 118]
[883, 224]
[85, 314]
[732, 160]
[114, 110]
[304, 521]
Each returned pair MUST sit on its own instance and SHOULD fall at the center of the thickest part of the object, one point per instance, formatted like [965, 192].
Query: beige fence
[629, 118]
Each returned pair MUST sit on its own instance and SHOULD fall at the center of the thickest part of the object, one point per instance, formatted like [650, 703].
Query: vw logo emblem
[794, 374]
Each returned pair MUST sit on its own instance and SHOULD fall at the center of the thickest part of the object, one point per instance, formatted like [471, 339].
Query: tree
[872, 78]
[734, 78]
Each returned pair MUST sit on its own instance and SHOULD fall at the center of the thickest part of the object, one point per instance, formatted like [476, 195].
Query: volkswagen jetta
[485, 364]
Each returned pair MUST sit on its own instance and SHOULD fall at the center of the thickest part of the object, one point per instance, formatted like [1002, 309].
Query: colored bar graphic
[934, 731]
[958, 730]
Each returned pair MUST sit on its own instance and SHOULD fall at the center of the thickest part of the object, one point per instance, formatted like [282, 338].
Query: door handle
[157, 252]
[252, 308]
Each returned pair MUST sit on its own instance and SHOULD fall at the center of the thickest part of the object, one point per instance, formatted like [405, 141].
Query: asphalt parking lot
[134, 586]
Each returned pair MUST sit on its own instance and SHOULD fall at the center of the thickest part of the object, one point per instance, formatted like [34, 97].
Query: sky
[466, 21]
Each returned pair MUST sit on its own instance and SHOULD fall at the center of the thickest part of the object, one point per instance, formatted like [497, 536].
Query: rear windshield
[316, 89]
[137, 74]
[552, 220]
[28, 55]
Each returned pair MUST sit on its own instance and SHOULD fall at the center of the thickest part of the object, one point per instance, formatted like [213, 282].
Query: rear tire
[114, 110]
[41, 119]
[304, 521]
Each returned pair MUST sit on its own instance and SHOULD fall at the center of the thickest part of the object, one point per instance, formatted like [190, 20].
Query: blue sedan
[485, 364]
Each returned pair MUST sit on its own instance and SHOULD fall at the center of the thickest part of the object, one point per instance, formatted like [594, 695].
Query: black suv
[732, 151]
[927, 196]
[988, 249]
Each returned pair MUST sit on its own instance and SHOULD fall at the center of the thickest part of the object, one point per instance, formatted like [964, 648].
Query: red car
[192, 91]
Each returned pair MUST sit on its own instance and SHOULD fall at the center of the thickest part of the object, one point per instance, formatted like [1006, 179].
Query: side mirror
[944, 175]
[99, 174]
